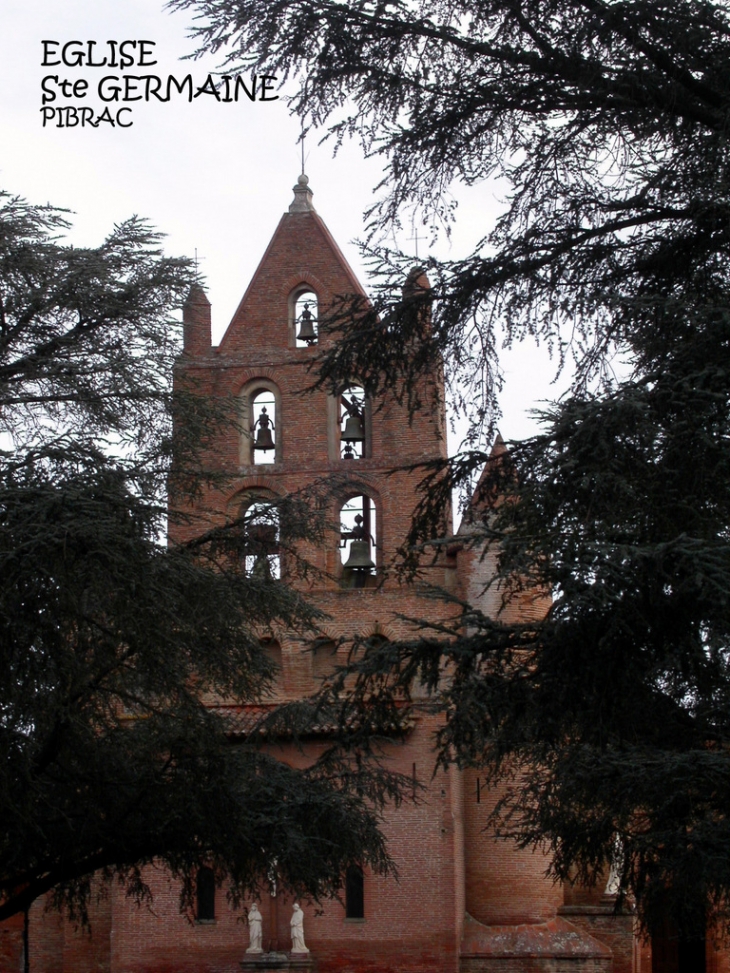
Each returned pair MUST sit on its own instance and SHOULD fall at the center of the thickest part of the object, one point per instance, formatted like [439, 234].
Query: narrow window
[305, 319]
[263, 427]
[357, 541]
[352, 423]
[354, 893]
[205, 894]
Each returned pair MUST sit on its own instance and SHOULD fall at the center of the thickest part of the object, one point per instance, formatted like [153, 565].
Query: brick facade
[464, 901]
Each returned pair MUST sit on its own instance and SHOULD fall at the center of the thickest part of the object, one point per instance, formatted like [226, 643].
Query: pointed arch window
[357, 541]
[352, 423]
[306, 319]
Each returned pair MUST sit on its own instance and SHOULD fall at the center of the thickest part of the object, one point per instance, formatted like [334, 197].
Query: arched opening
[261, 434]
[357, 541]
[262, 559]
[263, 426]
[306, 319]
[352, 423]
[205, 895]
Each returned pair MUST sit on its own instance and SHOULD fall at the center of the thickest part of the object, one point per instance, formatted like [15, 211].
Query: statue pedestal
[277, 962]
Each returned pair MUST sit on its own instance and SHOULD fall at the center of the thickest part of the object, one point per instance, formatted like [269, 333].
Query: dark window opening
[205, 892]
[354, 893]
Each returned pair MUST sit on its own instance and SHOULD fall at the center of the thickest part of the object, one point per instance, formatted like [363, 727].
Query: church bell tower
[287, 439]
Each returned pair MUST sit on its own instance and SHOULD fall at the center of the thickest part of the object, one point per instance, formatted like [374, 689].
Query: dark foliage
[111, 643]
[608, 122]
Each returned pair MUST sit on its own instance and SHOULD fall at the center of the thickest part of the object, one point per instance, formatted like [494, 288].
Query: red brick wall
[503, 884]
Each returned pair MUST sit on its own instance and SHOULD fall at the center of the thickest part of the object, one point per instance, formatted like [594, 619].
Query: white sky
[215, 177]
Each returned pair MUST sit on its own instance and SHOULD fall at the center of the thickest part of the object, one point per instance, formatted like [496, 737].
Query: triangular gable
[302, 251]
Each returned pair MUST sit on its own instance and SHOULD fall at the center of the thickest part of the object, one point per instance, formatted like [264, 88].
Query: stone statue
[254, 930]
[297, 930]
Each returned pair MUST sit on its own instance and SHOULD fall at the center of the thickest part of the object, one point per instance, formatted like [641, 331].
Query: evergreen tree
[112, 645]
[609, 122]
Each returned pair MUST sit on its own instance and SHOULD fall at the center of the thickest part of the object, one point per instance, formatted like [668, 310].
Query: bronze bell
[306, 327]
[353, 431]
[359, 559]
[264, 439]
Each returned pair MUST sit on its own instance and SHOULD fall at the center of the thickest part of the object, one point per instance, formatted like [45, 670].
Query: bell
[359, 559]
[306, 327]
[263, 537]
[264, 439]
[261, 569]
[353, 431]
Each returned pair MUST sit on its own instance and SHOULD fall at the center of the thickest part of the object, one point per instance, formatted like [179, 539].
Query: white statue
[297, 930]
[254, 930]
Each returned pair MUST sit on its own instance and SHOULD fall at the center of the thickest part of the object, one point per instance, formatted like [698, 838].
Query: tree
[113, 644]
[608, 121]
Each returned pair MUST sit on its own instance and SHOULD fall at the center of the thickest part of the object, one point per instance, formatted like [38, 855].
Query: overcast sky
[213, 177]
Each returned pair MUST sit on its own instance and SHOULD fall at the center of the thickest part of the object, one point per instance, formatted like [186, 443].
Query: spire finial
[302, 196]
[302, 138]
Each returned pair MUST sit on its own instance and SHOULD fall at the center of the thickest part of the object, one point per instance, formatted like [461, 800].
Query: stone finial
[302, 196]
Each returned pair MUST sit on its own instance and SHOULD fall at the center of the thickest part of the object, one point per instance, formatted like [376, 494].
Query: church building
[463, 902]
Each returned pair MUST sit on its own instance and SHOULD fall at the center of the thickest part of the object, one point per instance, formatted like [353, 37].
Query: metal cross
[416, 238]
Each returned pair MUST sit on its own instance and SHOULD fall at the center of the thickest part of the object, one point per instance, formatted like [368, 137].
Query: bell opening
[263, 427]
[305, 320]
[357, 542]
[352, 423]
[261, 552]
